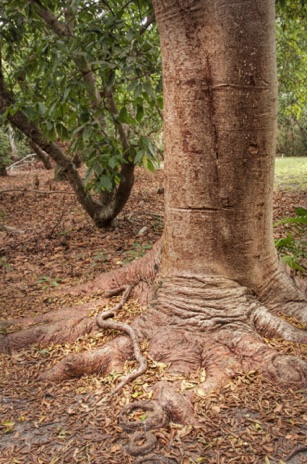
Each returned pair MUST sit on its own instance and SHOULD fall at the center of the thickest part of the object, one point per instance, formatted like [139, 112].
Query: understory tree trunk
[3, 171]
[213, 285]
[102, 214]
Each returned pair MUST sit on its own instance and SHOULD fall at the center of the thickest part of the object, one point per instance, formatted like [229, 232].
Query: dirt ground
[250, 420]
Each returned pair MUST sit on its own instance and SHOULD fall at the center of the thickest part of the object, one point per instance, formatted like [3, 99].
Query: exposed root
[56, 315]
[178, 406]
[271, 326]
[141, 270]
[100, 360]
[48, 334]
[284, 294]
[207, 323]
[111, 357]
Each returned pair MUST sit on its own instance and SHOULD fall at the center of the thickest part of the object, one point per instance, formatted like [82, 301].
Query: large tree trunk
[218, 254]
[220, 91]
[220, 119]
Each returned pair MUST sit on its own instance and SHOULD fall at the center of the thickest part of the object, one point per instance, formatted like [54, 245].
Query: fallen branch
[11, 230]
[104, 324]
[32, 155]
[45, 192]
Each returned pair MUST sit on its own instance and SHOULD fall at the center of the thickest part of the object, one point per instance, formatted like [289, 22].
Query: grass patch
[291, 173]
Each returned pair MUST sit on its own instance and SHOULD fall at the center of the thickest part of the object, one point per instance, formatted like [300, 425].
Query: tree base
[193, 323]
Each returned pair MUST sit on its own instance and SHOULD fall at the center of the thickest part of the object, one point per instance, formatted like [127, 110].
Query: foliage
[291, 173]
[5, 147]
[291, 44]
[92, 77]
[292, 135]
[293, 248]
[49, 281]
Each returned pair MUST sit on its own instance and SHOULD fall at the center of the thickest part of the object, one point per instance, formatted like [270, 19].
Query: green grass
[291, 173]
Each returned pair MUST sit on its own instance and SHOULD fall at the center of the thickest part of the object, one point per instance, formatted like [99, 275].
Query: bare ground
[247, 421]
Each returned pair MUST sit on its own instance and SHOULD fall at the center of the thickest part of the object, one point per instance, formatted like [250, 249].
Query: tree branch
[86, 71]
[150, 20]
[52, 21]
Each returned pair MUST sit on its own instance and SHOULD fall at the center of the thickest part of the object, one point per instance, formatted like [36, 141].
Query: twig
[149, 21]
[104, 324]
[300, 449]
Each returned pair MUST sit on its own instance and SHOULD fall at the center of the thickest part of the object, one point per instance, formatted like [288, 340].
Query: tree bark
[3, 171]
[220, 90]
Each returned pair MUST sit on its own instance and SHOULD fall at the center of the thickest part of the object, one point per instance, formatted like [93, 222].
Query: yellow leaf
[200, 392]
[216, 409]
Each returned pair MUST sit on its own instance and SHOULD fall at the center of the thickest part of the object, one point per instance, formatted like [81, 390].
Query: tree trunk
[218, 263]
[220, 111]
[14, 152]
[3, 171]
[220, 91]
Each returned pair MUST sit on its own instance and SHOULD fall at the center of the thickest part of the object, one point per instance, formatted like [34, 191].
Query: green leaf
[29, 112]
[139, 112]
[97, 168]
[113, 162]
[149, 90]
[41, 108]
[123, 115]
[300, 211]
[139, 156]
[105, 183]
[111, 79]
[137, 91]
[74, 5]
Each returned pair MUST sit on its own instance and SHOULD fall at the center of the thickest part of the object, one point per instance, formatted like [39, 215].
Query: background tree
[88, 76]
[291, 30]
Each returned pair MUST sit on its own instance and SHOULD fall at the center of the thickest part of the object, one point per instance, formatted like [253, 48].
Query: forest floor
[250, 420]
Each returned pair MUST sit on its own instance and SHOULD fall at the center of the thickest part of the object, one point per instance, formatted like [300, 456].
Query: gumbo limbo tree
[213, 285]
